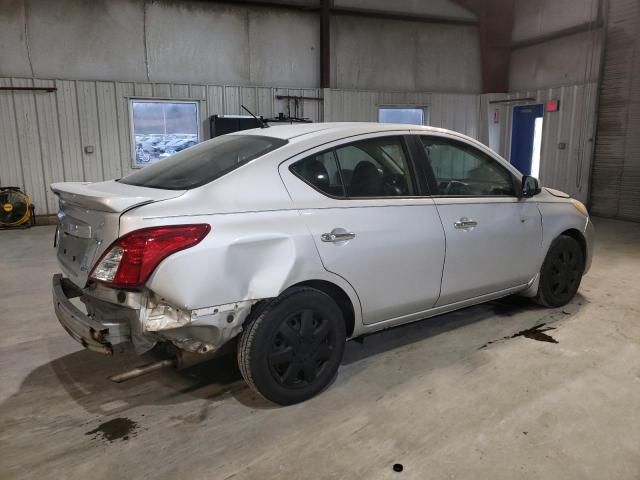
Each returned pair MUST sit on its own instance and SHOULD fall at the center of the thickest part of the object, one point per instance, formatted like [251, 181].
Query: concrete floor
[427, 396]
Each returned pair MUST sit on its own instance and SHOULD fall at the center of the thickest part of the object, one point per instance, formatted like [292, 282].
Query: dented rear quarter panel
[254, 250]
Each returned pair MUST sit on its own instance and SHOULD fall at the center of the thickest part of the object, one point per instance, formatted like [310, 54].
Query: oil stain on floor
[120, 428]
[537, 333]
[534, 333]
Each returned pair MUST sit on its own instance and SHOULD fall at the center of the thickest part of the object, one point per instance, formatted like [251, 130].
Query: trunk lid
[89, 220]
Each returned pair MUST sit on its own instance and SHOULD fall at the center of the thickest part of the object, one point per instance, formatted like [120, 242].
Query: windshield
[203, 163]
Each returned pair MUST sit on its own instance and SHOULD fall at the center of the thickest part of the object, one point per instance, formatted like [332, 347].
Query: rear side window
[321, 171]
[203, 163]
[370, 168]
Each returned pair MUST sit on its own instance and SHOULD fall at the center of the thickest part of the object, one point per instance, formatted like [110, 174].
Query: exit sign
[553, 105]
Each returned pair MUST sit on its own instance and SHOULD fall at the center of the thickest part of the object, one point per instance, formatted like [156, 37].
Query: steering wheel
[455, 187]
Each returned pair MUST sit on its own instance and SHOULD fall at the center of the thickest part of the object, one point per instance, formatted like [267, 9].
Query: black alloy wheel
[291, 348]
[561, 272]
[301, 348]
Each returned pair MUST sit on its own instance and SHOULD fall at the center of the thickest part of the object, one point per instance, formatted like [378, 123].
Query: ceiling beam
[270, 3]
[582, 28]
[403, 17]
[496, 24]
[356, 12]
[325, 43]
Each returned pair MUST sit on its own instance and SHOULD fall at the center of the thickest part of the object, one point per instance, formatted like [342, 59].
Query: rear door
[371, 226]
[493, 237]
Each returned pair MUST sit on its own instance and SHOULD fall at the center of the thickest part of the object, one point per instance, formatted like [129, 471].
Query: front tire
[291, 349]
[561, 272]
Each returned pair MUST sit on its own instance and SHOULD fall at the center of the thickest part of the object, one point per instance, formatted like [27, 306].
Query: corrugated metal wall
[43, 135]
[459, 112]
[566, 169]
[616, 169]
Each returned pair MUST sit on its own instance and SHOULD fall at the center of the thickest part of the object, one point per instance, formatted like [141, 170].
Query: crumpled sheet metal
[199, 331]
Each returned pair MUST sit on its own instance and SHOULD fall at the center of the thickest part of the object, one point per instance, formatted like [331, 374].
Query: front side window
[369, 168]
[461, 170]
[204, 162]
[162, 128]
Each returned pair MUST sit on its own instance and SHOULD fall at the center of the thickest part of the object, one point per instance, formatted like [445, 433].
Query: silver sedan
[283, 242]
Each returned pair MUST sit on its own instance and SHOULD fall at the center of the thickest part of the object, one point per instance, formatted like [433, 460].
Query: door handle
[465, 223]
[337, 235]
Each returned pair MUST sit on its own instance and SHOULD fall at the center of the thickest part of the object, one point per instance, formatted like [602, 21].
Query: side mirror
[530, 186]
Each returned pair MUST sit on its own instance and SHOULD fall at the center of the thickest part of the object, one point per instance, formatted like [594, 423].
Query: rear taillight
[131, 259]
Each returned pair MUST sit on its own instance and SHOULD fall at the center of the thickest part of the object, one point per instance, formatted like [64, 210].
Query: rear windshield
[204, 162]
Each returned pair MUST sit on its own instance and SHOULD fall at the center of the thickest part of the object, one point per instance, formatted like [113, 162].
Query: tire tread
[251, 327]
[540, 297]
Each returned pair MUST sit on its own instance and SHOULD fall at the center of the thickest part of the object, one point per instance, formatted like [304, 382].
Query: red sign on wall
[553, 105]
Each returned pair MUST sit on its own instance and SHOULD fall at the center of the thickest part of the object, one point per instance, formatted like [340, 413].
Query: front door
[493, 237]
[360, 204]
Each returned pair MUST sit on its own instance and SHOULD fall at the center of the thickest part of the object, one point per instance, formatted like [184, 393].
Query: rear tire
[561, 272]
[291, 348]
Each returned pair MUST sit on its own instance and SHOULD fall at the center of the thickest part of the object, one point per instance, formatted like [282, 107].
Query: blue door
[522, 132]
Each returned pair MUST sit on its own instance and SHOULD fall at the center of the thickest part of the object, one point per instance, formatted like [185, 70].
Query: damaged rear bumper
[94, 335]
[117, 319]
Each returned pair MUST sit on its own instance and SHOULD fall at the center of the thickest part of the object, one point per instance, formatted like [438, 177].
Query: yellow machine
[16, 209]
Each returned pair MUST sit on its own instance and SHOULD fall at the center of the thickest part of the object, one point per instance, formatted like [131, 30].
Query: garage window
[407, 115]
[162, 128]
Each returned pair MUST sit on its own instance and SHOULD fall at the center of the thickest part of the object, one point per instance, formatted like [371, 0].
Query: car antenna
[262, 123]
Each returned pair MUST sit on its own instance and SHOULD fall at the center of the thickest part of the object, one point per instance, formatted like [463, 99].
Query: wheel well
[339, 296]
[577, 235]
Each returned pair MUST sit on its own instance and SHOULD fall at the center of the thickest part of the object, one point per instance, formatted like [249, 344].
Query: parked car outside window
[162, 127]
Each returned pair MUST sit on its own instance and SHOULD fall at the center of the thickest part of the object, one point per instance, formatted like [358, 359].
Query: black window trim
[431, 178]
[411, 169]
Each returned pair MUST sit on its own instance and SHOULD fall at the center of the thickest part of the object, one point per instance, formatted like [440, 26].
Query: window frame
[408, 151]
[132, 134]
[430, 174]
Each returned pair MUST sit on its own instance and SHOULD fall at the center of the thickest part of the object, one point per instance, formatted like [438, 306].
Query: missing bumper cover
[110, 326]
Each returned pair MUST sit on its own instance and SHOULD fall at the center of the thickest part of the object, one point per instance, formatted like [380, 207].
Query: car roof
[290, 131]
[329, 131]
